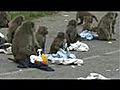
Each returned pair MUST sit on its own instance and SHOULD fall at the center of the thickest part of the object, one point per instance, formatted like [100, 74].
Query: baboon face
[72, 22]
[61, 35]
[43, 30]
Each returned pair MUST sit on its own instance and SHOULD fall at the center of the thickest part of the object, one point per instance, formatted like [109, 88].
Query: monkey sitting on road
[57, 43]
[4, 19]
[71, 32]
[105, 28]
[88, 23]
[41, 36]
[13, 25]
[24, 43]
[85, 16]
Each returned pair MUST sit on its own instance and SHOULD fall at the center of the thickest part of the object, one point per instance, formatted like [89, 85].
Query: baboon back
[23, 44]
[13, 25]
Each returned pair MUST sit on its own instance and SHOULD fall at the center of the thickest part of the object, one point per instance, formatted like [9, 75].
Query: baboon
[88, 23]
[105, 28]
[57, 43]
[71, 32]
[13, 25]
[4, 19]
[24, 42]
[85, 16]
[41, 36]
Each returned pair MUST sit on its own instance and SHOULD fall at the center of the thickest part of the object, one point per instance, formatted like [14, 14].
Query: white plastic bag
[34, 58]
[79, 46]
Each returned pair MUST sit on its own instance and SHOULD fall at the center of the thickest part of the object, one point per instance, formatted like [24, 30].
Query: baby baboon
[71, 32]
[41, 36]
[105, 28]
[24, 43]
[57, 43]
[4, 19]
[13, 25]
[85, 16]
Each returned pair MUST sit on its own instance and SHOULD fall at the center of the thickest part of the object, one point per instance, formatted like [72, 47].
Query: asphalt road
[102, 58]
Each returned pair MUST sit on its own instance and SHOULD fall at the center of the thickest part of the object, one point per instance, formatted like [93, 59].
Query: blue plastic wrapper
[87, 35]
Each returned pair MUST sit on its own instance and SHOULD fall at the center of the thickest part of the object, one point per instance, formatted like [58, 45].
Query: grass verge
[32, 14]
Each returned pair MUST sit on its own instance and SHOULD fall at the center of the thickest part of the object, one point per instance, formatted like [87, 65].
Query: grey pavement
[102, 58]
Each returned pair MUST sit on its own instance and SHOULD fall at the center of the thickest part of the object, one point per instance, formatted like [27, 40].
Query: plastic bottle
[44, 58]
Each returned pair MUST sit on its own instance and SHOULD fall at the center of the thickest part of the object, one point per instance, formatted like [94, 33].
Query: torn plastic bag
[79, 46]
[87, 35]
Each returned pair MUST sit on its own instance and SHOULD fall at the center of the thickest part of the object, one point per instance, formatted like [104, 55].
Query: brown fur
[4, 19]
[85, 16]
[24, 43]
[71, 32]
[57, 43]
[13, 25]
[105, 28]
[41, 36]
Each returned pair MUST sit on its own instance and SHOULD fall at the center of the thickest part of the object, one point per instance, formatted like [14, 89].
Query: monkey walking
[71, 32]
[85, 16]
[105, 28]
[57, 43]
[12, 26]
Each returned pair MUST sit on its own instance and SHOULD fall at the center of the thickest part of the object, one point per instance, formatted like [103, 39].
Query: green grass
[31, 14]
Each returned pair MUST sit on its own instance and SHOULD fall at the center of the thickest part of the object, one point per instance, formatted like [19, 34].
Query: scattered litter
[108, 70]
[66, 15]
[20, 70]
[34, 58]
[7, 51]
[72, 66]
[80, 78]
[109, 42]
[64, 57]
[117, 69]
[65, 20]
[93, 76]
[79, 46]
[65, 61]
[87, 35]
[79, 64]
[2, 36]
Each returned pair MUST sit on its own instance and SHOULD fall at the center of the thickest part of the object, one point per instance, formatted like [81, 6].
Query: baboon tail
[95, 18]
